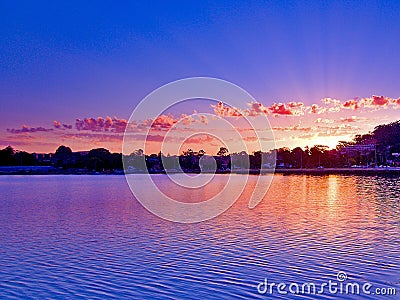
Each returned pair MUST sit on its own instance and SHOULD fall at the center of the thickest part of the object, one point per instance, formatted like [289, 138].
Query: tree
[297, 157]
[138, 152]
[318, 155]
[99, 159]
[388, 134]
[7, 156]
[343, 144]
[24, 158]
[223, 151]
[363, 138]
[63, 150]
[188, 152]
[62, 157]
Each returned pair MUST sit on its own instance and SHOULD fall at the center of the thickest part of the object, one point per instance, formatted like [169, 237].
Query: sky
[72, 72]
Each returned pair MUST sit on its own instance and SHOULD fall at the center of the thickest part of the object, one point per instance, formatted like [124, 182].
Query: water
[86, 237]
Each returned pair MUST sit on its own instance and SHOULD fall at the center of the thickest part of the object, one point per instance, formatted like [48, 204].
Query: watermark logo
[340, 286]
[341, 276]
[147, 117]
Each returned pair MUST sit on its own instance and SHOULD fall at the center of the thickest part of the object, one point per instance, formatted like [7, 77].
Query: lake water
[87, 237]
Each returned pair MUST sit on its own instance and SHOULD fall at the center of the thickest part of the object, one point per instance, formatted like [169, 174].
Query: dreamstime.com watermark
[340, 286]
[147, 124]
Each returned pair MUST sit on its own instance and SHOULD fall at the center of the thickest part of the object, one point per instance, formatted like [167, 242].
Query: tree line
[384, 138]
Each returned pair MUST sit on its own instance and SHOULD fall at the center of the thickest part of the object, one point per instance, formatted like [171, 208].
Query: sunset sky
[72, 72]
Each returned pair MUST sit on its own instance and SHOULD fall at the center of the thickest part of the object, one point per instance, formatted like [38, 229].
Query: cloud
[257, 109]
[380, 101]
[203, 119]
[280, 109]
[90, 136]
[27, 129]
[225, 111]
[116, 125]
[58, 125]
[201, 139]
[168, 121]
[351, 104]
[349, 119]
[303, 136]
[97, 125]
[314, 108]
[326, 121]
[375, 101]
[292, 128]
[293, 108]
[396, 101]
[341, 129]
[187, 120]
[164, 122]
[330, 101]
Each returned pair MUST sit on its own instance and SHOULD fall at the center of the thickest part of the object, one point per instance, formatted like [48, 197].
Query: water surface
[86, 237]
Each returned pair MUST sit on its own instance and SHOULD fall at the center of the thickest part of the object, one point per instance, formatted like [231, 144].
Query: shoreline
[313, 172]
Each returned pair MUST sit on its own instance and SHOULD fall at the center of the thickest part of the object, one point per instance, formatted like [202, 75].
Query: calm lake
[87, 237]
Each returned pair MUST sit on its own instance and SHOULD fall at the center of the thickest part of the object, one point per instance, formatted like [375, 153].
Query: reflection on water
[85, 236]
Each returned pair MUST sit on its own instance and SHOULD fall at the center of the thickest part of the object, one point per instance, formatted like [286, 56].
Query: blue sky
[63, 60]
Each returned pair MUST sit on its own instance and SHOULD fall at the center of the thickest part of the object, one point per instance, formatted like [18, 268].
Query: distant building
[43, 158]
[371, 154]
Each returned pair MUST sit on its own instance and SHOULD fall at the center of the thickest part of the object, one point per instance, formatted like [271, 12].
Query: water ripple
[85, 237]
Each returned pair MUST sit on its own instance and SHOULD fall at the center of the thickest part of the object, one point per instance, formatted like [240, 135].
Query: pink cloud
[349, 119]
[257, 109]
[292, 128]
[380, 101]
[164, 122]
[295, 104]
[351, 104]
[27, 129]
[330, 101]
[375, 101]
[314, 108]
[280, 109]
[100, 124]
[57, 124]
[168, 121]
[203, 119]
[326, 121]
[90, 136]
[201, 139]
[226, 111]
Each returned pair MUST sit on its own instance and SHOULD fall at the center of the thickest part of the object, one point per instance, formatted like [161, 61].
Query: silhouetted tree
[99, 159]
[223, 151]
[297, 155]
[62, 157]
[7, 156]
[23, 158]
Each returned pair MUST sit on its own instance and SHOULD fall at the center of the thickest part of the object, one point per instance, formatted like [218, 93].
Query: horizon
[183, 148]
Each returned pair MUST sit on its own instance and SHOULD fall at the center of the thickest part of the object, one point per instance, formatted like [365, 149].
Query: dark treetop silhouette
[381, 147]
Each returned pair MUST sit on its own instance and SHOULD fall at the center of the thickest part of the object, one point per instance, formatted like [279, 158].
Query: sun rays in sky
[292, 124]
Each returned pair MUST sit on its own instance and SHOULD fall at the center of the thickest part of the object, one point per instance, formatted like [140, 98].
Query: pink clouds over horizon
[293, 122]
